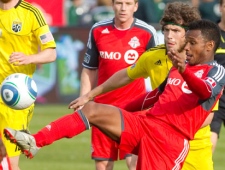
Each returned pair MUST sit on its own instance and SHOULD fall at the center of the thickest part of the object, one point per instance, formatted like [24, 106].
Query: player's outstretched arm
[117, 80]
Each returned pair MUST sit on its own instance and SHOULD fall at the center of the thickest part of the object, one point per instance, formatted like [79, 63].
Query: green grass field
[74, 154]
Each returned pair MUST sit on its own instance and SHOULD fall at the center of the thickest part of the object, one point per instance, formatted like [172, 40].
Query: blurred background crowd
[87, 12]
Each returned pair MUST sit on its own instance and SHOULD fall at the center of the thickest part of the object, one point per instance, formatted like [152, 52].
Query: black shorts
[218, 119]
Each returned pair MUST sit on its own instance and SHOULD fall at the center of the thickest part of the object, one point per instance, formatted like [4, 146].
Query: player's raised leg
[105, 117]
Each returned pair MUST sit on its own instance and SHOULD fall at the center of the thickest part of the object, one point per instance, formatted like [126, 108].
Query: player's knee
[90, 110]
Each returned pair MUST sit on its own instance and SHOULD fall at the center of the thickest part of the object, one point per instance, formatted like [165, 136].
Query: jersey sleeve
[216, 79]
[41, 31]
[210, 86]
[91, 60]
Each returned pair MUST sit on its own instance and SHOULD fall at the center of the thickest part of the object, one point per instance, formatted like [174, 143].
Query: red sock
[67, 126]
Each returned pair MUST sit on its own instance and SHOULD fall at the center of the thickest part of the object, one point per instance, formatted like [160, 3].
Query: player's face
[124, 10]
[196, 48]
[174, 37]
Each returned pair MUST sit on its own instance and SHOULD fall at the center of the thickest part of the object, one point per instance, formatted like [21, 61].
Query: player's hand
[78, 103]
[178, 60]
[2, 151]
[18, 58]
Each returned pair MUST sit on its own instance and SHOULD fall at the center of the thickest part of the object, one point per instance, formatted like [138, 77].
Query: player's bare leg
[214, 139]
[132, 162]
[104, 165]
[14, 162]
[106, 117]
[128, 161]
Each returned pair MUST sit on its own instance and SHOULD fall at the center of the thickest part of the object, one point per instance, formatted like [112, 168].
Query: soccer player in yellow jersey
[155, 63]
[25, 40]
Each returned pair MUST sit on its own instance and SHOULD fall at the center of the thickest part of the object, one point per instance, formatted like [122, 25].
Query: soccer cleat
[23, 140]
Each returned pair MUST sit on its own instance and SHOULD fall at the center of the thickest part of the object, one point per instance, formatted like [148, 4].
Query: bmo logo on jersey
[176, 82]
[111, 55]
[185, 88]
[130, 56]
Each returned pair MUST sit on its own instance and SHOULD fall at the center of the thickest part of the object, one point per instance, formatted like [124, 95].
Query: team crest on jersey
[17, 26]
[134, 42]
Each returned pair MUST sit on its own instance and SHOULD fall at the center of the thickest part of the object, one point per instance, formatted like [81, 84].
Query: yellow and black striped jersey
[22, 29]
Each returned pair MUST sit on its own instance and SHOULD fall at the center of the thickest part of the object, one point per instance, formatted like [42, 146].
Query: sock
[67, 126]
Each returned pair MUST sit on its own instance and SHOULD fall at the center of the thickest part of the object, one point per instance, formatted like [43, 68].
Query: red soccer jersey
[179, 107]
[111, 49]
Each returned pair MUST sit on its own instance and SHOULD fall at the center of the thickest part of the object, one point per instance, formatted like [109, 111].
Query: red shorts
[157, 144]
[104, 148]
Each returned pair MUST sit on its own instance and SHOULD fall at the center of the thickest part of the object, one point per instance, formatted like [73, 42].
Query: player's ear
[210, 45]
[136, 6]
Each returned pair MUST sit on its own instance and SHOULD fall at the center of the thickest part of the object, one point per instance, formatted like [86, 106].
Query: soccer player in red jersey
[160, 135]
[114, 44]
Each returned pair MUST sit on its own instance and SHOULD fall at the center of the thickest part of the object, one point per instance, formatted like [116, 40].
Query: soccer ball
[18, 91]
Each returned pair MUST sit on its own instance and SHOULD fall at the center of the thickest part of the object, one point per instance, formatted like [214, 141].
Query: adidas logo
[158, 62]
[48, 127]
[105, 31]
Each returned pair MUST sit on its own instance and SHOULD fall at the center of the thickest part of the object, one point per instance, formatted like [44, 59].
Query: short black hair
[209, 30]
